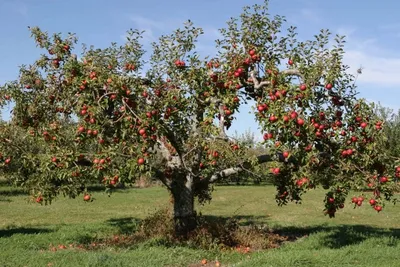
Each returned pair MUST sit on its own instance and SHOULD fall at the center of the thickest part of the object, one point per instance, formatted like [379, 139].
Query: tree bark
[184, 213]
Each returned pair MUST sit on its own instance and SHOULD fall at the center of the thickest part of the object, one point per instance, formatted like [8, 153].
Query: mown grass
[356, 237]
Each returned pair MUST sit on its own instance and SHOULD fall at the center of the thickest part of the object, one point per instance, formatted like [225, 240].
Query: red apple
[378, 208]
[86, 197]
[383, 179]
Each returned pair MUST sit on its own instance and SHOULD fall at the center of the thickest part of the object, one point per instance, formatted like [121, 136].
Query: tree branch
[257, 84]
[173, 161]
[235, 170]
[222, 132]
[160, 176]
[292, 72]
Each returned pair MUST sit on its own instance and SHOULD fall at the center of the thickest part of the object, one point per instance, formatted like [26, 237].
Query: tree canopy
[105, 115]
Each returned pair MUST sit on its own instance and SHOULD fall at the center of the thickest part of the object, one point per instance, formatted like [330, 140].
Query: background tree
[391, 129]
[315, 129]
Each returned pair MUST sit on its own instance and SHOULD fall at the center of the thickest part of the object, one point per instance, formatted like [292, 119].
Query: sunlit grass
[356, 237]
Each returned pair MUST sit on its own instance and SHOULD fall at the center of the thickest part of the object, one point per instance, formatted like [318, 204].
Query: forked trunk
[184, 213]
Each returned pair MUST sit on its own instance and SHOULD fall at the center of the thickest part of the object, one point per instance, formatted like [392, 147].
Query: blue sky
[371, 27]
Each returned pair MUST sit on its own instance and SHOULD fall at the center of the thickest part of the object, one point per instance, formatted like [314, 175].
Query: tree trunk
[184, 213]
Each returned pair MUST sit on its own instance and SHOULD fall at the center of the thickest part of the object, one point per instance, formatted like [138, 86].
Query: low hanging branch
[235, 170]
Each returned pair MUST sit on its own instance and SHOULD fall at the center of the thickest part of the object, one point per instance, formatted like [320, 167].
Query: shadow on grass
[8, 190]
[126, 225]
[332, 237]
[3, 199]
[242, 220]
[12, 191]
[23, 230]
[342, 235]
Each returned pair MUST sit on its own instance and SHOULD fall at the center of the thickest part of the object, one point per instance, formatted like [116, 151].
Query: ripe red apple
[331, 200]
[363, 125]
[140, 161]
[300, 121]
[285, 118]
[290, 62]
[54, 159]
[142, 131]
[383, 179]
[372, 202]
[276, 171]
[378, 208]
[267, 136]
[285, 154]
[303, 87]
[86, 197]
[328, 86]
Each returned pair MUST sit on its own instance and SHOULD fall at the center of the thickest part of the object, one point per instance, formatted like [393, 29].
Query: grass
[356, 237]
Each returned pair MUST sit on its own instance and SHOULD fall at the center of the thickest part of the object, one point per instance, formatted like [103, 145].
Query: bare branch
[222, 132]
[258, 84]
[104, 95]
[160, 176]
[235, 170]
[292, 72]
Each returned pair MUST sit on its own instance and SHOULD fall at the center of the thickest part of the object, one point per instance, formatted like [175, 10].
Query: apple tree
[109, 116]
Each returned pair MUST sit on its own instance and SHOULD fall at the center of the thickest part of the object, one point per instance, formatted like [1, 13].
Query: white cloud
[380, 66]
[377, 70]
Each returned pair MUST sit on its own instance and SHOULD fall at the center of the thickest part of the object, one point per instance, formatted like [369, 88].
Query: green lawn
[359, 237]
